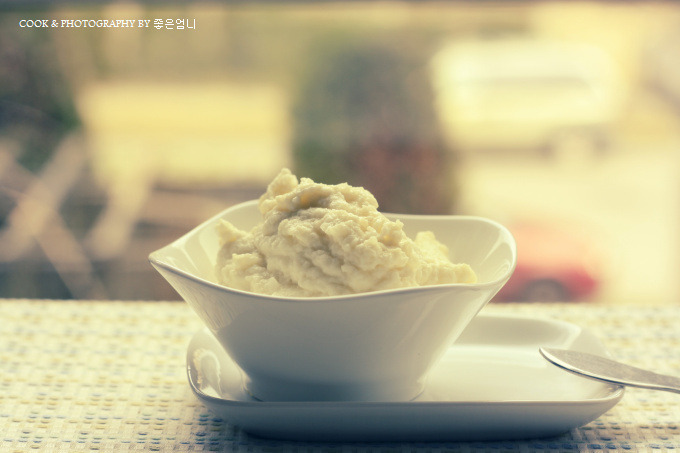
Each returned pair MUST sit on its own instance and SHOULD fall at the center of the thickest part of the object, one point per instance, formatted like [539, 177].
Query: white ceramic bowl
[376, 346]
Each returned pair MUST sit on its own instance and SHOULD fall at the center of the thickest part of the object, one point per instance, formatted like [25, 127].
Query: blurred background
[559, 119]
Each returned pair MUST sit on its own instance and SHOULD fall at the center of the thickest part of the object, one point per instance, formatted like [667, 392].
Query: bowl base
[276, 390]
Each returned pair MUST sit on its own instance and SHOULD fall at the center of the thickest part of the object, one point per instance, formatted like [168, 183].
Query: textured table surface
[110, 376]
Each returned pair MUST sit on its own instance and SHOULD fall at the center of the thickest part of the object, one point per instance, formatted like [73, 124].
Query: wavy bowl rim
[157, 262]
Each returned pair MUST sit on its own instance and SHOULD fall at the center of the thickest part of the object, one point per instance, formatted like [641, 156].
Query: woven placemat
[110, 376]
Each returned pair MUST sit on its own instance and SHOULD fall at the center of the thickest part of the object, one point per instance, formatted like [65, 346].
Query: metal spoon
[608, 370]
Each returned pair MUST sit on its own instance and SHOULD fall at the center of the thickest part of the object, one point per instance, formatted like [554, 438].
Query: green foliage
[36, 106]
[363, 113]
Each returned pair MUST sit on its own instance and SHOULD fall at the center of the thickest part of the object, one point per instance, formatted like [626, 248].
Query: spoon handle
[608, 370]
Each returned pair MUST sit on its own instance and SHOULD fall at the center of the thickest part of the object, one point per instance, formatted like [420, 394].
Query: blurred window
[115, 141]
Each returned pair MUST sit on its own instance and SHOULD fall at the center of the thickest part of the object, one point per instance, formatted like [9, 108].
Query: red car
[553, 264]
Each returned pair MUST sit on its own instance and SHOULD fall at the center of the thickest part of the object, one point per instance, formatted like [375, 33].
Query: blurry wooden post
[35, 218]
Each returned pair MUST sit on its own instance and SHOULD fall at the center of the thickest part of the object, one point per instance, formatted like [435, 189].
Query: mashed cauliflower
[326, 240]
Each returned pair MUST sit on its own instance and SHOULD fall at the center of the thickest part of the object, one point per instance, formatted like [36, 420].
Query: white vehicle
[525, 94]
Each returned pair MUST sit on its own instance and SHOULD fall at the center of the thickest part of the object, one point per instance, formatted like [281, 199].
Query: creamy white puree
[325, 240]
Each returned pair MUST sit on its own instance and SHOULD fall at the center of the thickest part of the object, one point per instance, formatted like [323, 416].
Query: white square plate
[492, 384]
